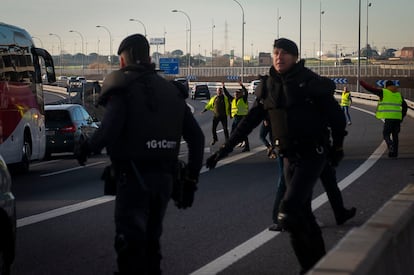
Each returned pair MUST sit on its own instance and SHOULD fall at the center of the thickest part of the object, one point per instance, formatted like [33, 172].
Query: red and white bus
[22, 122]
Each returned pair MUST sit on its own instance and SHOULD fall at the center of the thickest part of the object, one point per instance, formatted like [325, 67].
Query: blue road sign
[340, 80]
[381, 83]
[232, 77]
[169, 65]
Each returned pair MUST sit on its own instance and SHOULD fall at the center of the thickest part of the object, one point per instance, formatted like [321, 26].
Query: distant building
[265, 59]
[407, 52]
[388, 53]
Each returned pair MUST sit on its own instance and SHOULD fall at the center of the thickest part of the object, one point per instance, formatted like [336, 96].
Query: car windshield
[202, 87]
[56, 117]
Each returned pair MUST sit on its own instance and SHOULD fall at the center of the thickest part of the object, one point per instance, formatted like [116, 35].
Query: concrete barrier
[384, 245]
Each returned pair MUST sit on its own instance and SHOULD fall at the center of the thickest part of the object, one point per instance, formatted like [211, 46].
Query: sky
[389, 24]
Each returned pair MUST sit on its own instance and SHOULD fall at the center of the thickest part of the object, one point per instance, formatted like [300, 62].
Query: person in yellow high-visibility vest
[346, 101]
[220, 106]
[392, 108]
[239, 109]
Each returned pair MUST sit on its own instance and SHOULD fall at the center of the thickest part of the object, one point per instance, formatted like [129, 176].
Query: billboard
[157, 41]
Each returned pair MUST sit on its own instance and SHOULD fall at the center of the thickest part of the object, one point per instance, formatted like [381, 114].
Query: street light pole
[136, 20]
[60, 41]
[278, 21]
[359, 46]
[320, 34]
[212, 43]
[366, 49]
[242, 74]
[83, 53]
[110, 44]
[189, 58]
[41, 43]
[300, 29]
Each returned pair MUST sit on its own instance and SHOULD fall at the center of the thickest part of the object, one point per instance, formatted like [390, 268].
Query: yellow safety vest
[390, 107]
[239, 107]
[345, 99]
[210, 104]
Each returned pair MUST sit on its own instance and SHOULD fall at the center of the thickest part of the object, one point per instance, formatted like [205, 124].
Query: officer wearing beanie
[144, 120]
[309, 128]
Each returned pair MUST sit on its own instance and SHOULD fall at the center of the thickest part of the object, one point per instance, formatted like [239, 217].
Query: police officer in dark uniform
[145, 118]
[301, 108]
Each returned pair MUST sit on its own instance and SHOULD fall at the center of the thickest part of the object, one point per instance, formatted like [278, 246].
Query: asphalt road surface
[66, 225]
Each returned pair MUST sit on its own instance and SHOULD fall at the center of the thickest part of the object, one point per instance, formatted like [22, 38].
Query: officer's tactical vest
[390, 107]
[296, 120]
[155, 112]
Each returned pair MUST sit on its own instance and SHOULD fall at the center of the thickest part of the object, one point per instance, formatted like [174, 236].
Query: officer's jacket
[301, 107]
[145, 118]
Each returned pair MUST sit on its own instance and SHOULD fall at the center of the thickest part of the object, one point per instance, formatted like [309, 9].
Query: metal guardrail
[329, 71]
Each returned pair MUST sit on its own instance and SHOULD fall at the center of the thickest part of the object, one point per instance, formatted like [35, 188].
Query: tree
[177, 53]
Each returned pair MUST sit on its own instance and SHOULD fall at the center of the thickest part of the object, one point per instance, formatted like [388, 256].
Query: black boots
[346, 215]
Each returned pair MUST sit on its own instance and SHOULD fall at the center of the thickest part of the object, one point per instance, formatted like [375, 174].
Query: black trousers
[140, 207]
[236, 121]
[330, 184]
[390, 133]
[301, 174]
[223, 120]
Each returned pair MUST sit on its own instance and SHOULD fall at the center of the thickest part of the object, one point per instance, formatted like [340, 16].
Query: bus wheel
[27, 153]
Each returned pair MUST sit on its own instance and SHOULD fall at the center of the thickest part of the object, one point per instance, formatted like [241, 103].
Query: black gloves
[183, 196]
[211, 162]
[82, 151]
[336, 151]
[335, 155]
[185, 185]
[109, 176]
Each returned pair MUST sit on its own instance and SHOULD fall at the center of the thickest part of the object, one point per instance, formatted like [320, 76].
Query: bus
[22, 120]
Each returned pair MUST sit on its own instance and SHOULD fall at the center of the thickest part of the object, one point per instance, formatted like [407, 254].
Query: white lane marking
[191, 108]
[62, 211]
[43, 163]
[72, 169]
[263, 237]
[93, 202]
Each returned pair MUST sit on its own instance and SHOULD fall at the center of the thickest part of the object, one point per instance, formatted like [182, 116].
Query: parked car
[7, 220]
[200, 90]
[70, 79]
[345, 61]
[66, 126]
[252, 86]
[81, 79]
[62, 80]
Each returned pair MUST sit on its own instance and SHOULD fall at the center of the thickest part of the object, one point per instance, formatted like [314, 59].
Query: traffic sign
[232, 77]
[169, 65]
[340, 80]
[381, 83]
